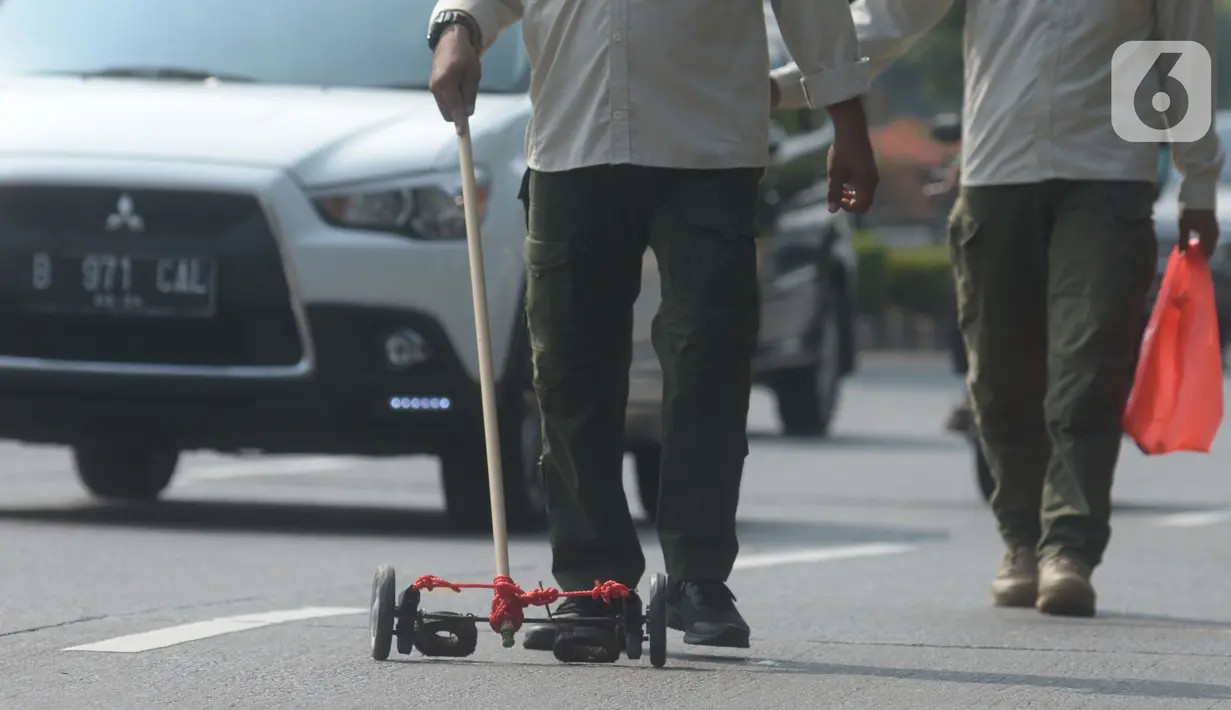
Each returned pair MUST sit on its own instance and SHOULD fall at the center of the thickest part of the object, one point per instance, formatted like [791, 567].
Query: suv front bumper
[352, 403]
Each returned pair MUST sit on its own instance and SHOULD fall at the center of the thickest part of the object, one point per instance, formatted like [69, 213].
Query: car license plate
[120, 283]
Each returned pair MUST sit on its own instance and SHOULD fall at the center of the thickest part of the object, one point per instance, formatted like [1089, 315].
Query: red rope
[510, 601]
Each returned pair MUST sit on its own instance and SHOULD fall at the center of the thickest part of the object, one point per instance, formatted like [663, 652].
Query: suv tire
[133, 472]
[808, 396]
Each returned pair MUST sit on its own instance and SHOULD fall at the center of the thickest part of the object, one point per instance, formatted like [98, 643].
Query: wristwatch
[443, 20]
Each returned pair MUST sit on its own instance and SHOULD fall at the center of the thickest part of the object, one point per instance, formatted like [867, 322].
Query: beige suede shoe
[1064, 587]
[1017, 580]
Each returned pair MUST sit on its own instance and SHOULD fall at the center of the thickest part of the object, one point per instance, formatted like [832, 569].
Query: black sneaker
[542, 637]
[705, 611]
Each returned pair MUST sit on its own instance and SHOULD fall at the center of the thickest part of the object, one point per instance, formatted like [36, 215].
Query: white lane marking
[40, 469]
[821, 554]
[266, 467]
[1196, 519]
[172, 635]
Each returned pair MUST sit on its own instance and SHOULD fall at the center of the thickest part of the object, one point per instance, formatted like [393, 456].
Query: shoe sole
[1067, 600]
[727, 637]
[1019, 596]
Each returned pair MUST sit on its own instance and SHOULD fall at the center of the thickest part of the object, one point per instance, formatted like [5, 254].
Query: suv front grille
[253, 324]
[167, 214]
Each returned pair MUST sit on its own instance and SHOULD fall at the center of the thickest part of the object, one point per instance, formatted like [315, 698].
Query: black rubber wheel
[647, 460]
[634, 627]
[580, 644]
[133, 472]
[407, 614]
[808, 396]
[656, 620]
[454, 637]
[381, 612]
[983, 472]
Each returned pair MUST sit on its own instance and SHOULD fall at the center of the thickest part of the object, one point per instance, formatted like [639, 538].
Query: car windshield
[343, 43]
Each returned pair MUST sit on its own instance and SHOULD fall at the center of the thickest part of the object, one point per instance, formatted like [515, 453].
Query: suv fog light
[406, 348]
[430, 404]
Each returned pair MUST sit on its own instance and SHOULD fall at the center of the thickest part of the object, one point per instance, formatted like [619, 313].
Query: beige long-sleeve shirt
[667, 83]
[1038, 85]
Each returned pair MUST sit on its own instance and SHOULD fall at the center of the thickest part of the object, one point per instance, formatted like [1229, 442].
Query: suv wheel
[463, 468]
[133, 472]
[808, 396]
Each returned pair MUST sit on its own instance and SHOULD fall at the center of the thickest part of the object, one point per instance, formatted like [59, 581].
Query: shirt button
[618, 36]
[618, 115]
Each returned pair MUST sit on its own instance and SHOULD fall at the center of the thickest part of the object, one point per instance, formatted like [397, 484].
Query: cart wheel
[407, 612]
[582, 644]
[634, 627]
[380, 616]
[987, 484]
[656, 620]
[453, 637]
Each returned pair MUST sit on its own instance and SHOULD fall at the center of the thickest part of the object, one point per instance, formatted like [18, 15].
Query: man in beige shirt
[650, 129]
[1054, 252]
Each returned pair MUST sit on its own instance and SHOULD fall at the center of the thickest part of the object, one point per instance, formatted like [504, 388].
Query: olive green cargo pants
[1052, 280]
[588, 234]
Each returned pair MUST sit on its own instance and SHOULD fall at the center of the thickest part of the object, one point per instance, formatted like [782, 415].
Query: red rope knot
[541, 597]
[507, 604]
[429, 583]
[608, 591]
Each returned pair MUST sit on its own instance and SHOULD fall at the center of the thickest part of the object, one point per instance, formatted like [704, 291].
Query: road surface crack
[48, 627]
[125, 614]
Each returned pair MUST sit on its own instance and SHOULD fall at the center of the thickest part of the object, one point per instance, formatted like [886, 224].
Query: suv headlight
[420, 206]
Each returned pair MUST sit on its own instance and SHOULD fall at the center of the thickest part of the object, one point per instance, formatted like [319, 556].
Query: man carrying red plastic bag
[1176, 403]
[1054, 250]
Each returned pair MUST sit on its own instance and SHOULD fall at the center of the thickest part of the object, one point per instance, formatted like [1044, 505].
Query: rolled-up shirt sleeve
[826, 66]
[1200, 162]
[820, 38]
[492, 16]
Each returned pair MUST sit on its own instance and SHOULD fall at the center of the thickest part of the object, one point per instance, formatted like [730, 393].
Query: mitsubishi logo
[125, 216]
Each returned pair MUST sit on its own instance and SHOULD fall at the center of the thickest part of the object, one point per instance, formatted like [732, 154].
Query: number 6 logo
[1150, 79]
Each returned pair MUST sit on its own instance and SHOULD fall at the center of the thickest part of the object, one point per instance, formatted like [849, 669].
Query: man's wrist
[451, 22]
[848, 116]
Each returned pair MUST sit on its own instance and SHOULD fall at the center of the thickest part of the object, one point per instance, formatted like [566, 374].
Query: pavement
[864, 573]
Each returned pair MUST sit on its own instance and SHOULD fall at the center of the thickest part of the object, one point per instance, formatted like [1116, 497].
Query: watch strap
[445, 19]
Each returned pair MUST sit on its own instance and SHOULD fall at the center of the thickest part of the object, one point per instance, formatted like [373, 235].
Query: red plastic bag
[1176, 402]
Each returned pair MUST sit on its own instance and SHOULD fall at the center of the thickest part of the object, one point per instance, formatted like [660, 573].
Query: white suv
[236, 225]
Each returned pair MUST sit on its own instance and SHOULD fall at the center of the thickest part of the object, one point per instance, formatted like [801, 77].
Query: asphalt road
[864, 573]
